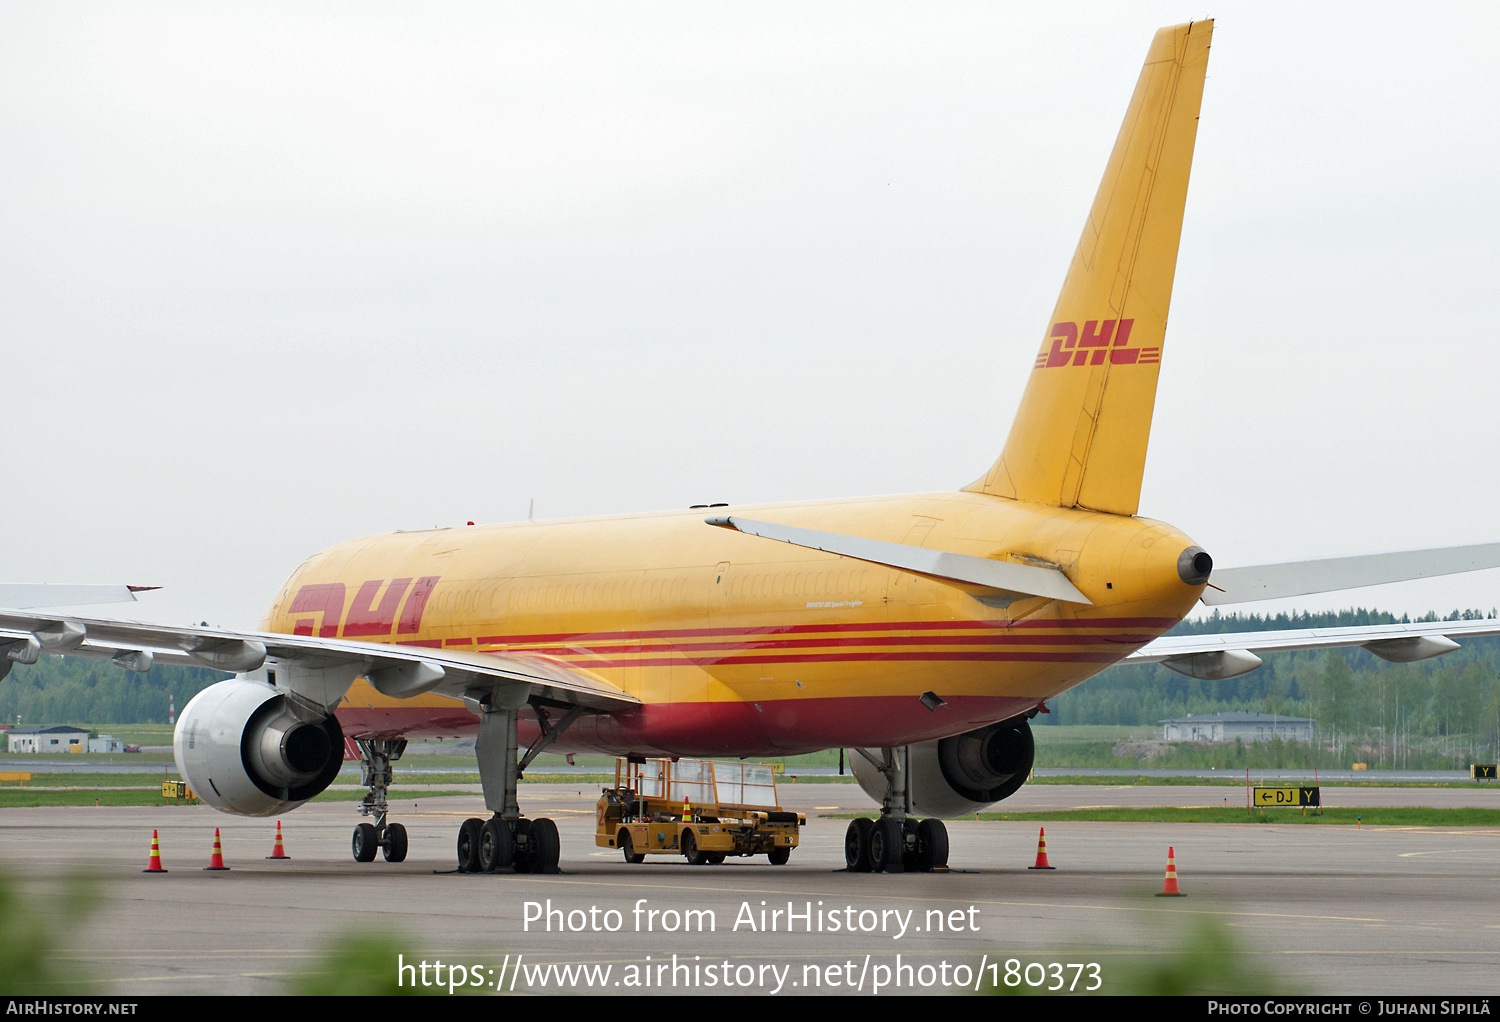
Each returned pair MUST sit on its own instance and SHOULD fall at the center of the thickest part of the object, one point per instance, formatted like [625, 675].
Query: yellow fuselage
[737, 645]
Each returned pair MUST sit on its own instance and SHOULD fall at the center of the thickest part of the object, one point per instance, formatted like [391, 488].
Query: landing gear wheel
[545, 846]
[627, 847]
[932, 845]
[521, 861]
[365, 842]
[887, 846]
[779, 855]
[395, 847]
[497, 848]
[468, 846]
[910, 856]
[857, 845]
[690, 849]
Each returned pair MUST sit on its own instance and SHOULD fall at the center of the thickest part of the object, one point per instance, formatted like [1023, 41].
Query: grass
[1229, 780]
[17, 798]
[1388, 817]
[109, 757]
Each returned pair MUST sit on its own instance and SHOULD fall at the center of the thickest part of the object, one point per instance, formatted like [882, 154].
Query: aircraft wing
[319, 668]
[1230, 654]
[45, 594]
[1331, 574]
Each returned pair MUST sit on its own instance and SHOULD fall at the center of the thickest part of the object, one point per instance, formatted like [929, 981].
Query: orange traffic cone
[1169, 888]
[1041, 852]
[278, 851]
[216, 860]
[154, 866]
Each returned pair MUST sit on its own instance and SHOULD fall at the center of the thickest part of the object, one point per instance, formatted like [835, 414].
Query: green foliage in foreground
[1206, 960]
[36, 927]
[360, 967]
[1200, 959]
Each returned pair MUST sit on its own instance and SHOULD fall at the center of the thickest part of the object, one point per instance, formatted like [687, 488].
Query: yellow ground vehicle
[699, 809]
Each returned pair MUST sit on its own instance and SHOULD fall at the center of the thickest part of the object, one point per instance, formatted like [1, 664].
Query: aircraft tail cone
[1169, 887]
[1041, 852]
[278, 851]
[154, 866]
[216, 860]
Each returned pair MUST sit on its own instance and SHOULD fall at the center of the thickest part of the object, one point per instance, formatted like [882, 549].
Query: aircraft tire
[887, 846]
[857, 845]
[932, 845]
[545, 845]
[497, 846]
[365, 842]
[395, 847]
[468, 845]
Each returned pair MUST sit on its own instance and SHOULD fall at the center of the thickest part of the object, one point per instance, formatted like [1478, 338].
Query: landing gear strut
[376, 757]
[895, 843]
[508, 840]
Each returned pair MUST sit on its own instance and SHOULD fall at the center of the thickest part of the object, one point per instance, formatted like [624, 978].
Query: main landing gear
[895, 843]
[507, 841]
[375, 772]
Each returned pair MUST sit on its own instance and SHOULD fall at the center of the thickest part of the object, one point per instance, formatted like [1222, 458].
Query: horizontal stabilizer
[24, 597]
[1000, 577]
[1299, 578]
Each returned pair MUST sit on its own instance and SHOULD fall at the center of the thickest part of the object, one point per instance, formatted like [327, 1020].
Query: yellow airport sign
[1285, 796]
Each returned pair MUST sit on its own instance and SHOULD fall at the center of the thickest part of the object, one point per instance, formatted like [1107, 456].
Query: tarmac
[1294, 908]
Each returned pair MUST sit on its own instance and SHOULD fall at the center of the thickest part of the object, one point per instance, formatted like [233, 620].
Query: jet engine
[960, 774]
[246, 747]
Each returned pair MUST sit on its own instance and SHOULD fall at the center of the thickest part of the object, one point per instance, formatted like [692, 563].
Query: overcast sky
[276, 275]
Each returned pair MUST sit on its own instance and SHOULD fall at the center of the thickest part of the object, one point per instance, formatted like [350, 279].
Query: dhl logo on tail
[1098, 339]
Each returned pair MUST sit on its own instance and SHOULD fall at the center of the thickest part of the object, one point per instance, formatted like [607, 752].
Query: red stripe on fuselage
[1038, 657]
[878, 640]
[853, 626]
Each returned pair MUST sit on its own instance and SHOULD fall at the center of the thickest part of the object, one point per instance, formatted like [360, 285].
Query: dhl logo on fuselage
[1099, 339]
[366, 616]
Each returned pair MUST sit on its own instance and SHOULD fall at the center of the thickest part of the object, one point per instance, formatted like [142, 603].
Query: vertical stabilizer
[1079, 437]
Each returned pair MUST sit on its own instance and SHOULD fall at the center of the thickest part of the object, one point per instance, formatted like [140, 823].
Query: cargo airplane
[921, 632]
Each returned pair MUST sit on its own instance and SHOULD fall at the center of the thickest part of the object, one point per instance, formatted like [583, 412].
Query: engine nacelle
[960, 774]
[244, 747]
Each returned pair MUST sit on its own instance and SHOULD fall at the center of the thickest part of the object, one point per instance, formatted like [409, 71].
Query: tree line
[1435, 713]
[77, 690]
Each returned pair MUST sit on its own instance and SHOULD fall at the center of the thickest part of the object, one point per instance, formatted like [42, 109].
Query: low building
[106, 743]
[1226, 727]
[54, 738]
